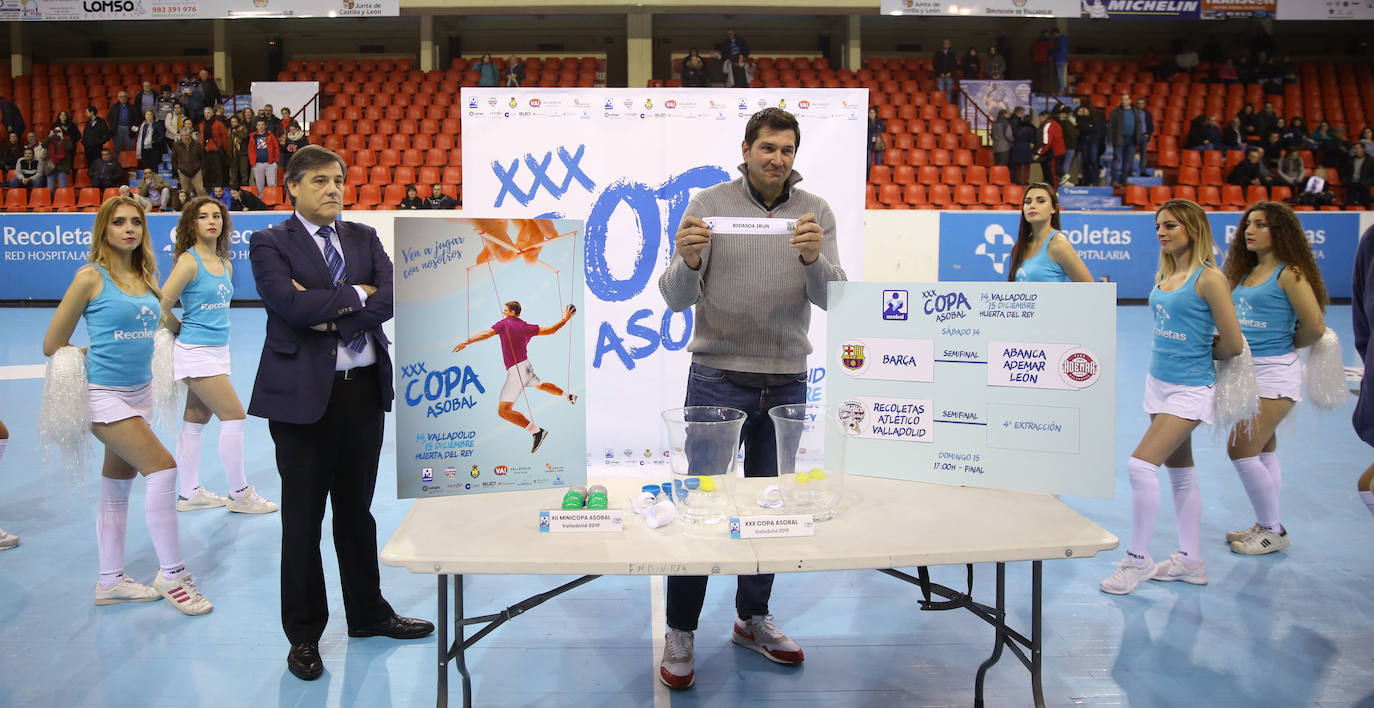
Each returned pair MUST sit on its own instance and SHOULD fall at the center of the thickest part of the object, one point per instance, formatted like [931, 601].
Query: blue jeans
[37, 182]
[707, 386]
[1142, 150]
[1091, 170]
[945, 83]
[1122, 158]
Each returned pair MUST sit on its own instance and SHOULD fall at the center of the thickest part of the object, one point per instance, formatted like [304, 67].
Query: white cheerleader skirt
[1279, 376]
[111, 404]
[1188, 402]
[199, 360]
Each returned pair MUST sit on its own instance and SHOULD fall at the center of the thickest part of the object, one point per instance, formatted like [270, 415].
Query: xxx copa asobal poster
[490, 381]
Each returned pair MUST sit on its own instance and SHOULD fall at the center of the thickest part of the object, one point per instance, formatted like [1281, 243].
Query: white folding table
[883, 524]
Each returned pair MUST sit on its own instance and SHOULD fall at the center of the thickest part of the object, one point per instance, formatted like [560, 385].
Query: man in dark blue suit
[324, 384]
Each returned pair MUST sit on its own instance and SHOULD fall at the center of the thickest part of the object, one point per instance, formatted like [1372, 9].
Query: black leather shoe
[396, 627]
[304, 661]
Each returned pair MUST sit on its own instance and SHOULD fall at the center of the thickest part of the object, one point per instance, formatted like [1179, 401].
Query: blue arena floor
[1288, 629]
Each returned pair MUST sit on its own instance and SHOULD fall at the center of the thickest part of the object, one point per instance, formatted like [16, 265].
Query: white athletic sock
[1270, 460]
[3, 442]
[1188, 509]
[1368, 499]
[231, 455]
[188, 458]
[160, 511]
[111, 523]
[532, 427]
[1259, 485]
[1144, 505]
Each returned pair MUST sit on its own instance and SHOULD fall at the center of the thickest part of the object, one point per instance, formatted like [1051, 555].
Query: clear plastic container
[702, 442]
[810, 459]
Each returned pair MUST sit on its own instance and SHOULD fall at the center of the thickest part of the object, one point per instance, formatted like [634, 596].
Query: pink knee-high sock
[1188, 509]
[1144, 504]
[231, 455]
[111, 523]
[1259, 485]
[1270, 460]
[160, 511]
[188, 457]
[1368, 499]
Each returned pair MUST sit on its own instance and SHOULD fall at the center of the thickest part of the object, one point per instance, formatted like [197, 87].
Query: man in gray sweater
[752, 279]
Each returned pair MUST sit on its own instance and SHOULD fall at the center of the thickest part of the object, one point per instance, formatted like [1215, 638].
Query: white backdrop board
[1005, 385]
[627, 161]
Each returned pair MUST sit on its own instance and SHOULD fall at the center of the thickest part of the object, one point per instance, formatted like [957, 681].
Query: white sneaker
[677, 668]
[200, 500]
[1177, 569]
[7, 540]
[126, 590]
[1128, 575]
[760, 634]
[183, 594]
[250, 503]
[1260, 542]
[1233, 536]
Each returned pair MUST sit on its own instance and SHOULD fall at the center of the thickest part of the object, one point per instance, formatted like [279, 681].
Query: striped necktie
[335, 262]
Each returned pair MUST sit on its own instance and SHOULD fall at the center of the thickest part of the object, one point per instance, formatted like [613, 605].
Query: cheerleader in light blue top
[117, 294]
[1042, 253]
[1280, 299]
[1190, 301]
[202, 280]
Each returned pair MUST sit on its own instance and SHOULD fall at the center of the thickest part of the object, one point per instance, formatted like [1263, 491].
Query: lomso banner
[627, 161]
[39, 253]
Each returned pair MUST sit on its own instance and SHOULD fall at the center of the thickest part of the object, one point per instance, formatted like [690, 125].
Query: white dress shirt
[345, 358]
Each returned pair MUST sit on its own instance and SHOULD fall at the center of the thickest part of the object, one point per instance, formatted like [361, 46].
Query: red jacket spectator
[1051, 139]
[258, 141]
[217, 140]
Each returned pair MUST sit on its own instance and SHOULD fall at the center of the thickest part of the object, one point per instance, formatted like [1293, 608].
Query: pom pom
[64, 418]
[1324, 374]
[1237, 398]
[167, 391]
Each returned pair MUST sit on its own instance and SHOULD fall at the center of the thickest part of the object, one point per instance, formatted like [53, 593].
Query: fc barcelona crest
[852, 356]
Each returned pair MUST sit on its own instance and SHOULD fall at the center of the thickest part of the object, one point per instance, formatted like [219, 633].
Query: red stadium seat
[940, 196]
[356, 175]
[1212, 176]
[1189, 176]
[1232, 196]
[966, 194]
[40, 200]
[887, 194]
[429, 175]
[1185, 191]
[392, 195]
[1137, 195]
[1253, 193]
[1014, 194]
[903, 174]
[271, 196]
[89, 198]
[63, 199]
[915, 195]
[952, 175]
[927, 174]
[991, 195]
[1280, 193]
[1209, 195]
[999, 175]
[369, 196]
[976, 175]
[1159, 194]
[880, 174]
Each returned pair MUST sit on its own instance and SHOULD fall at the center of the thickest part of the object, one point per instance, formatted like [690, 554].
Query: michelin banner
[1121, 247]
[628, 161]
[40, 252]
[490, 379]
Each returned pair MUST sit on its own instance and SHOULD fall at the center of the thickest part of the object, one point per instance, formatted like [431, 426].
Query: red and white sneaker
[676, 670]
[760, 634]
[182, 594]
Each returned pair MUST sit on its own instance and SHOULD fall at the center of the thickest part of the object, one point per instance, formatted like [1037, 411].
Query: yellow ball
[707, 484]
[802, 478]
[817, 473]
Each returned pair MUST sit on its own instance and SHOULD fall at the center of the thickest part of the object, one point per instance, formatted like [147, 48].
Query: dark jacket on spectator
[1245, 172]
[442, 202]
[106, 173]
[186, 157]
[95, 134]
[1365, 178]
[945, 62]
[61, 153]
[10, 116]
[1023, 143]
[246, 201]
[135, 117]
[414, 202]
[290, 145]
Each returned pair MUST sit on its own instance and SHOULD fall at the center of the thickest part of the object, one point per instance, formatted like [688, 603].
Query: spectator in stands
[1022, 145]
[1089, 146]
[146, 99]
[143, 202]
[10, 117]
[515, 73]
[12, 152]
[877, 140]
[190, 107]
[165, 101]
[1233, 138]
[971, 67]
[1145, 129]
[293, 140]
[1064, 117]
[1358, 177]
[1042, 64]
[214, 140]
[1337, 149]
[123, 121]
[1296, 134]
[174, 122]
[61, 155]
[1366, 139]
[1320, 136]
[221, 116]
[192, 96]
[1002, 135]
[1207, 137]
[693, 70]
[734, 46]
[1226, 73]
[735, 68]
[219, 194]
[93, 136]
[412, 199]
[1291, 170]
[1051, 152]
[273, 122]
[263, 155]
[248, 118]
[995, 66]
[236, 157]
[155, 189]
[28, 171]
[285, 122]
[1265, 119]
[40, 151]
[438, 200]
[70, 127]
[1059, 53]
[105, 172]
[178, 200]
[1123, 128]
[1249, 120]
[1244, 72]
[209, 89]
[943, 65]
[1316, 191]
[486, 71]
[1273, 148]
[188, 162]
[1186, 58]
[1251, 170]
[150, 140]
[244, 200]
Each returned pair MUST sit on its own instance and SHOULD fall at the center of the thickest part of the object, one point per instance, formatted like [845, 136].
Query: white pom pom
[64, 418]
[1237, 397]
[166, 392]
[1324, 373]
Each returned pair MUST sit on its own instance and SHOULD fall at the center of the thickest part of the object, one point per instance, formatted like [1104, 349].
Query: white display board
[288, 94]
[1006, 385]
[627, 161]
